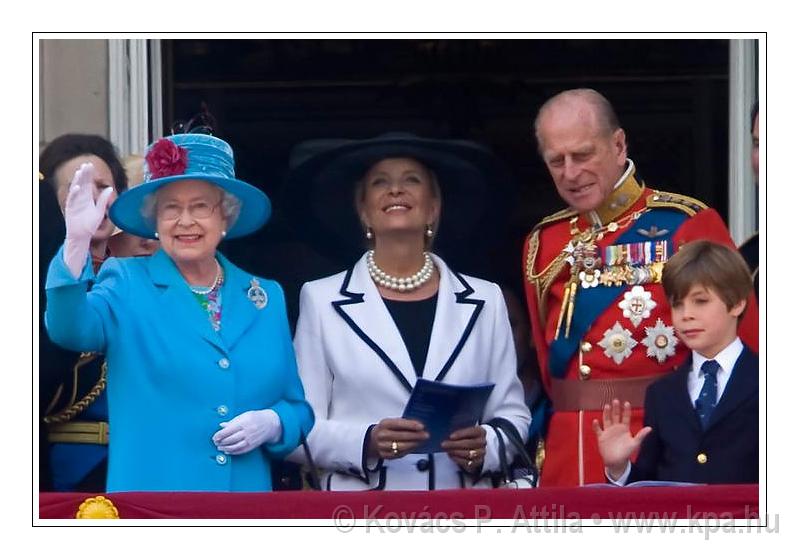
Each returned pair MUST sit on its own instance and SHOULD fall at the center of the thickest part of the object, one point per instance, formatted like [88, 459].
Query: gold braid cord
[75, 408]
[530, 265]
[543, 280]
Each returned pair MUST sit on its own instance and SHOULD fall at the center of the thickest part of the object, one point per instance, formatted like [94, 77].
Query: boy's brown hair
[711, 265]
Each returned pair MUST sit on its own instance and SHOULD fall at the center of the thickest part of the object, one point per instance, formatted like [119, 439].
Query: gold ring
[394, 447]
[472, 453]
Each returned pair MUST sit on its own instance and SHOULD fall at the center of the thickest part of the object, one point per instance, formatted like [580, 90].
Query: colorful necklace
[217, 281]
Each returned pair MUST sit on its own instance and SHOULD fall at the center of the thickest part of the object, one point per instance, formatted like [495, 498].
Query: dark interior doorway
[268, 95]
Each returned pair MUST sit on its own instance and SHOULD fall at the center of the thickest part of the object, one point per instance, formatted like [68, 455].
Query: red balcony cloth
[731, 501]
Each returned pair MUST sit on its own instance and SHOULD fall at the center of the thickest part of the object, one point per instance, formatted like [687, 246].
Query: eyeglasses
[198, 210]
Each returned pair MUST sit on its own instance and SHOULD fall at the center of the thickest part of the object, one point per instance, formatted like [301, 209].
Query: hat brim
[319, 190]
[126, 212]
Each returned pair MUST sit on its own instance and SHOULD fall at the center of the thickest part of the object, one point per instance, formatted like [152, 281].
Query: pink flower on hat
[166, 159]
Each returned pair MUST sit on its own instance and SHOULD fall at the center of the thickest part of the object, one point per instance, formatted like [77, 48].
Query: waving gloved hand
[247, 431]
[82, 216]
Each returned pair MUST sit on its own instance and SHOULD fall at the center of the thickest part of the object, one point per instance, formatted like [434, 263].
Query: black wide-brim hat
[320, 187]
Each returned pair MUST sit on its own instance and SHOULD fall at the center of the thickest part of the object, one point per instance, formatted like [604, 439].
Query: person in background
[600, 318]
[749, 249]
[74, 426]
[58, 163]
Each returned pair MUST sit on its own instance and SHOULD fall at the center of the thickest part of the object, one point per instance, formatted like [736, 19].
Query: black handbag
[312, 475]
[521, 472]
[290, 476]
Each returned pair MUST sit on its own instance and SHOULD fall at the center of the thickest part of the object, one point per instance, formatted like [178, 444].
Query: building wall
[73, 87]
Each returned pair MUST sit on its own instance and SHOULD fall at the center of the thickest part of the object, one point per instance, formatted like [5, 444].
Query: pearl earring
[369, 233]
[428, 231]
[156, 235]
[224, 233]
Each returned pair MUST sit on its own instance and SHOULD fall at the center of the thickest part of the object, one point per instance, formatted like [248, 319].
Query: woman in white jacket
[365, 335]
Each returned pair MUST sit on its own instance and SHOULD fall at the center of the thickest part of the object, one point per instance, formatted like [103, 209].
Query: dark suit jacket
[678, 449]
[56, 366]
[55, 363]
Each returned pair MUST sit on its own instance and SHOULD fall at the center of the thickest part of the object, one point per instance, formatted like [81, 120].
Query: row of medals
[630, 264]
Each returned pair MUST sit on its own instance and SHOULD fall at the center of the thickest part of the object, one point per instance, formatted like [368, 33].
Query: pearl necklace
[214, 286]
[407, 284]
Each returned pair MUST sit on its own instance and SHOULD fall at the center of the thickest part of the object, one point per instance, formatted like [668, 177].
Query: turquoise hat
[197, 157]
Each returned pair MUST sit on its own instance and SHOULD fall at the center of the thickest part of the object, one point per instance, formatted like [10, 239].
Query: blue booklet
[445, 408]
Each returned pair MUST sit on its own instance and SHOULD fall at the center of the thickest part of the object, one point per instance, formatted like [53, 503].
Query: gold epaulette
[686, 204]
[557, 217]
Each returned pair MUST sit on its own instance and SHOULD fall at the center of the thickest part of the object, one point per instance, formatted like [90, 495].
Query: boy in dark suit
[701, 422]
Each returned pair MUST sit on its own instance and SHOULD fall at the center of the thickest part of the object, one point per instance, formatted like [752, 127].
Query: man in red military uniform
[601, 322]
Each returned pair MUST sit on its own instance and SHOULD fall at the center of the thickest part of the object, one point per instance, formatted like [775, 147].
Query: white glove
[82, 216]
[248, 430]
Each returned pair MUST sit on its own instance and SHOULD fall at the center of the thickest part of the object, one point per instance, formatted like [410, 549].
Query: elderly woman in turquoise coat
[203, 388]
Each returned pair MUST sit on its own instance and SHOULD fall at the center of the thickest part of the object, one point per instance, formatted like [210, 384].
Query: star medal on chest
[660, 341]
[257, 295]
[618, 343]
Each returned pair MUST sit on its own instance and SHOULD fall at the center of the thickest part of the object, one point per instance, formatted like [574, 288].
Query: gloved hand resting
[247, 431]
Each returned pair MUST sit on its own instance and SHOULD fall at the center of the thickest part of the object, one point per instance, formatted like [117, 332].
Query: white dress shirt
[726, 360]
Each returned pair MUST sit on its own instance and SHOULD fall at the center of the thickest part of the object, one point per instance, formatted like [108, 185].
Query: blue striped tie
[707, 400]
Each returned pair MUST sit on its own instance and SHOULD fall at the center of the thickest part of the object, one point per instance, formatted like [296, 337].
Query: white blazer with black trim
[356, 371]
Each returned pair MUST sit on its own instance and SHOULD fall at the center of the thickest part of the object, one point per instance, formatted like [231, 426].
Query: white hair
[231, 206]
